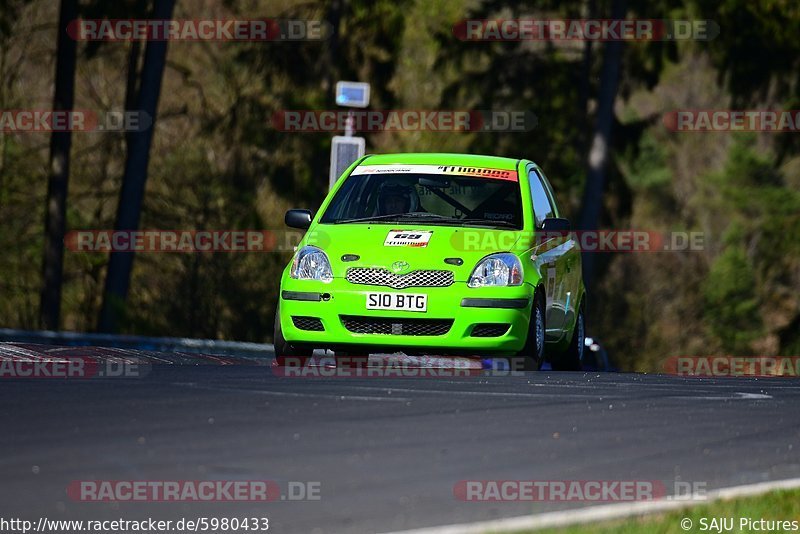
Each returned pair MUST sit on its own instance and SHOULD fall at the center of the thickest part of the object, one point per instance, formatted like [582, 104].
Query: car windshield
[433, 198]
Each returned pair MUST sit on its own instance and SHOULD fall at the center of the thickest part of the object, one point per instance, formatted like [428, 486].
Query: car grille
[384, 277]
[307, 323]
[490, 329]
[396, 327]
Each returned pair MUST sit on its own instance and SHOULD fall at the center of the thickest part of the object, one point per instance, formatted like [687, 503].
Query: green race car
[435, 253]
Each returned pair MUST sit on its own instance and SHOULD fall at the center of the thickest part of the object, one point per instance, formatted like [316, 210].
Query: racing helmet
[393, 190]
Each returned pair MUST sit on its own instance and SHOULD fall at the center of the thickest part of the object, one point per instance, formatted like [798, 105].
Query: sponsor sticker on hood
[408, 238]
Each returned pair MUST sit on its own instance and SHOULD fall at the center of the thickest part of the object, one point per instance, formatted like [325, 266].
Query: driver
[394, 199]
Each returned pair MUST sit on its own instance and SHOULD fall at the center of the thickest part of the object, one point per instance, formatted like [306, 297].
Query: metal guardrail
[158, 344]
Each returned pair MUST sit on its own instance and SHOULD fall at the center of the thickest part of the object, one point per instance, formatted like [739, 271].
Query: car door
[550, 255]
[571, 256]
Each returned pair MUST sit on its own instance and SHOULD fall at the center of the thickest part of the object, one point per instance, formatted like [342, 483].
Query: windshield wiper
[394, 217]
[488, 222]
[433, 217]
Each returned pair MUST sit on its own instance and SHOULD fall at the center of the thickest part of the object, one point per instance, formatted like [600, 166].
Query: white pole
[349, 124]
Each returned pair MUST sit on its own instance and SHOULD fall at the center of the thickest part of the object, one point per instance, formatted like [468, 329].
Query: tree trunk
[133, 184]
[590, 12]
[601, 142]
[331, 62]
[60, 143]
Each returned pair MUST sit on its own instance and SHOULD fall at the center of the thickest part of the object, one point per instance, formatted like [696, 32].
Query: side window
[542, 206]
[552, 196]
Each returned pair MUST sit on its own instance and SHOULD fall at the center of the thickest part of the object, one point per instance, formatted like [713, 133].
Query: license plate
[415, 302]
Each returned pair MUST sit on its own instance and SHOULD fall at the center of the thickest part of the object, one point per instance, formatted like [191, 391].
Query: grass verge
[776, 506]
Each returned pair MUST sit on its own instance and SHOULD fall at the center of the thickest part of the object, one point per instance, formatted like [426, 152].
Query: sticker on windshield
[449, 170]
[408, 238]
[481, 172]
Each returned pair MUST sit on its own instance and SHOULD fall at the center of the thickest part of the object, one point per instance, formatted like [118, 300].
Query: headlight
[311, 264]
[497, 270]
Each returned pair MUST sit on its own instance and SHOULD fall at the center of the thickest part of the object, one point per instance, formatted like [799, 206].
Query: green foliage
[757, 51]
[731, 303]
[766, 223]
[649, 169]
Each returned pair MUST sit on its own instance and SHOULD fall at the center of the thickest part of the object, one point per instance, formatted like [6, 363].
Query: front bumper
[337, 303]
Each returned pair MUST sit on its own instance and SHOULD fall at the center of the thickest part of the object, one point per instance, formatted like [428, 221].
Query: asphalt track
[387, 452]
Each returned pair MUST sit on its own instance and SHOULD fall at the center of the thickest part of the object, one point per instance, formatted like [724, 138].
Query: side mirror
[556, 225]
[298, 219]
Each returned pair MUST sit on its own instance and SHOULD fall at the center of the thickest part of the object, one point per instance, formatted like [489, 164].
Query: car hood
[371, 243]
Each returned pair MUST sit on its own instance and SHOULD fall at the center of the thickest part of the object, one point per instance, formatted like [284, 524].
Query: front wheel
[532, 354]
[572, 358]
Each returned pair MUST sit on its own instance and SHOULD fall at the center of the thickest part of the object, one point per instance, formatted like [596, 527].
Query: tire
[285, 352]
[532, 354]
[572, 358]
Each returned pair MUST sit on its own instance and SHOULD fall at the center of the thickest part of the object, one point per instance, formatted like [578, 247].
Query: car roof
[493, 162]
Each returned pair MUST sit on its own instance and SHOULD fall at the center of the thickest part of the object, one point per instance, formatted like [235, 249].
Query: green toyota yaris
[435, 253]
